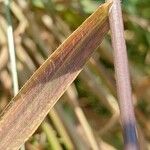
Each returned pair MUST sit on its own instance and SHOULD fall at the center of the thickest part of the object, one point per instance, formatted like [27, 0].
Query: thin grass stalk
[51, 136]
[11, 48]
[72, 94]
[61, 129]
[70, 126]
[122, 78]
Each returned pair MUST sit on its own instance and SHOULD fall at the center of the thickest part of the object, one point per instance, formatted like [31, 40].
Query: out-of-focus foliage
[90, 104]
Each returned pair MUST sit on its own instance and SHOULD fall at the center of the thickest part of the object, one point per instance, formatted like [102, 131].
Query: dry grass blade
[50, 81]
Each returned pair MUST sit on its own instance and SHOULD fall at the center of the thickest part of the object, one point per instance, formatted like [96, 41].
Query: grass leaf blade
[30, 106]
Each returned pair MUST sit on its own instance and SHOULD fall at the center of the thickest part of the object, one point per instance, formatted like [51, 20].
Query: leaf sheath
[122, 78]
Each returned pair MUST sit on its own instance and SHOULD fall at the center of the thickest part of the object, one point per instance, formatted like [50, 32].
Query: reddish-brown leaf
[28, 109]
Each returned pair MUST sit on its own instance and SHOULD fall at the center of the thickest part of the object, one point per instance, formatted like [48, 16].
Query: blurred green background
[87, 115]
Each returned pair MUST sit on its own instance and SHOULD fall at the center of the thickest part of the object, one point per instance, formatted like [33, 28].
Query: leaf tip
[108, 5]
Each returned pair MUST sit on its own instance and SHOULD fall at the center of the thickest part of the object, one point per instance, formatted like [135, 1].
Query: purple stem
[122, 78]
